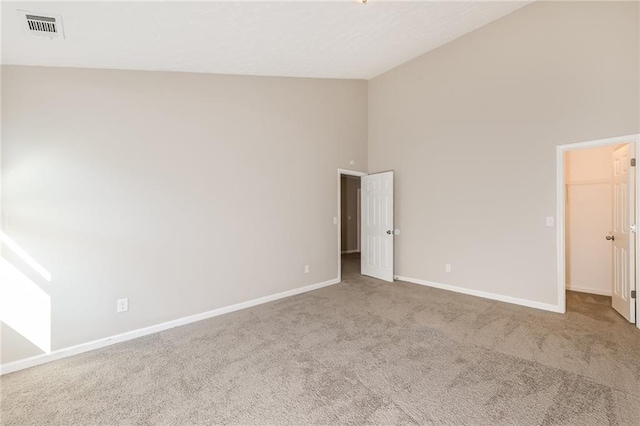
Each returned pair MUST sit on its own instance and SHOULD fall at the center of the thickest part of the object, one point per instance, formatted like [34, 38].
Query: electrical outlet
[123, 305]
[447, 267]
[306, 269]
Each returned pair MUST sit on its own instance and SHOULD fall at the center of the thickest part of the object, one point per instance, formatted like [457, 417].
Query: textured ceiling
[335, 39]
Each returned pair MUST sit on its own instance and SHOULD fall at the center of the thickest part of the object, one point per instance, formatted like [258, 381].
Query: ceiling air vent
[41, 24]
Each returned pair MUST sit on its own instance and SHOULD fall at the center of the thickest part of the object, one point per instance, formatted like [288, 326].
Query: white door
[622, 238]
[377, 226]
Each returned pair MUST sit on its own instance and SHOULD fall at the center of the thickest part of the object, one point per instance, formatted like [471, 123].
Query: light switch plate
[550, 221]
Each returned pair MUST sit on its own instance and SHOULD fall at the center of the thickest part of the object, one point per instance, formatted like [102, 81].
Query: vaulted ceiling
[332, 39]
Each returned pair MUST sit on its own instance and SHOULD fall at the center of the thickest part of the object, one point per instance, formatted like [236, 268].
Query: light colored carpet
[361, 352]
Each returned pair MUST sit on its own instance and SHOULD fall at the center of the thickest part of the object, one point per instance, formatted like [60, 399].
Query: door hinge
[633, 294]
[633, 162]
[633, 228]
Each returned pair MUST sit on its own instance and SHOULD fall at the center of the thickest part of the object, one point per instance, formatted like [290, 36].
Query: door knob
[389, 232]
[610, 237]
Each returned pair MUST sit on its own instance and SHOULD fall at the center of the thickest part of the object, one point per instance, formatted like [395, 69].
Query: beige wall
[591, 164]
[171, 189]
[117, 182]
[589, 215]
[471, 129]
[349, 212]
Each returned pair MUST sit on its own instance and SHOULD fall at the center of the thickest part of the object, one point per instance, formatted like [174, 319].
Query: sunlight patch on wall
[14, 247]
[24, 306]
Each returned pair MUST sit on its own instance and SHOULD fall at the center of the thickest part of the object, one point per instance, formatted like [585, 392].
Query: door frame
[342, 172]
[560, 211]
[359, 213]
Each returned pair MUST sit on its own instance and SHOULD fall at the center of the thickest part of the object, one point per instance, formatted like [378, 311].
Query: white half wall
[173, 190]
[471, 130]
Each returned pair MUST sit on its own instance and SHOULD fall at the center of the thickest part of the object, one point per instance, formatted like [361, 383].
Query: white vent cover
[41, 24]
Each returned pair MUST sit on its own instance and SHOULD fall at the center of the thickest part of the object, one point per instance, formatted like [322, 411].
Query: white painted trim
[599, 142]
[351, 173]
[351, 251]
[339, 215]
[588, 290]
[129, 335]
[359, 214]
[485, 295]
[560, 208]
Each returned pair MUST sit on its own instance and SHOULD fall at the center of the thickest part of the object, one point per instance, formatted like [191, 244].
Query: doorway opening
[350, 225]
[597, 216]
[351, 263]
[375, 220]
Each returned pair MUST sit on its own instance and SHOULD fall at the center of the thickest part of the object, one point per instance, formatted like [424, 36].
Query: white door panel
[377, 225]
[622, 238]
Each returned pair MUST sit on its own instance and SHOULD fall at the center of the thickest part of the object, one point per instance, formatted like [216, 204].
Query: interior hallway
[350, 265]
[363, 351]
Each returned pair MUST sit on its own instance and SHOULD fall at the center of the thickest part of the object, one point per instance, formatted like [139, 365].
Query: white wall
[349, 212]
[171, 189]
[471, 131]
[589, 213]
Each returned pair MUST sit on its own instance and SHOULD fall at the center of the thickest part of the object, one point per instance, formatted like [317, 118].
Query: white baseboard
[351, 251]
[588, 290]
[486, 295]
[129, 335]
